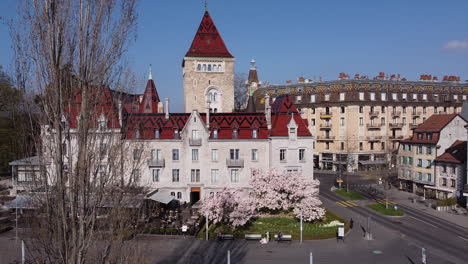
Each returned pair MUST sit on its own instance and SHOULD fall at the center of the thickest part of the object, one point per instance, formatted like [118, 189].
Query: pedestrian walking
[351, 223]
[184, 229]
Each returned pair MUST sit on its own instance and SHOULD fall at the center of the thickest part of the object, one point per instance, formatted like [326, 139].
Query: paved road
[444, 239]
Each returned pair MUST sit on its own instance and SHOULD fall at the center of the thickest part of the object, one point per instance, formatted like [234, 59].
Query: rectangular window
[215, 133]
[415, 96]
[361, 96]
[254, 154]
[156, 154]
[372, 96]
[214, 155]
[195, 154]
[342, 146]
[382, 146]
[342, 121]
[444, 182]
[234, 154]
[298, 99]
[361, 109]
[420, 162]
[234, 175]
[175, 154]
[428, 164]
[410, 161]
[361, 146]
[195, 134]
[136, 154]
[327, 145]
[429, 150]
[394, 96]
[361, 121]
[372, 146]
[420, 150]
[342, 96]
[464, 97]
[195, 175]
[327, 97]
[175, 175]
[312, 98]
[453, 183]
[425, 97]
[214, 175]
[254, 133]
[156, 175]
[383, 96]
[234, 133]
[136, 175]
[301, 154]
[282, 154]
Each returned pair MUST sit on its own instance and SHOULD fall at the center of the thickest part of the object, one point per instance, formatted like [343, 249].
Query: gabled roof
[283, 110]
[435, 123]
[208, 41]
[454, 154]
[149, 104]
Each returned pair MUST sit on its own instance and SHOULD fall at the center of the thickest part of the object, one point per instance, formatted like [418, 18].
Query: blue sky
[296, 38]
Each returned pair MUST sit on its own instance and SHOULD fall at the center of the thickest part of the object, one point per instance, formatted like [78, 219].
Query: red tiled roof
[149, 104]
[283, 110]
[208, 41]
[454, 154]
[435, 123]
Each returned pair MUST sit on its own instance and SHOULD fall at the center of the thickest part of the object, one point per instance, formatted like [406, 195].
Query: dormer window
[102, 125]
[156, 134]
[254, 133]
[234, 133]
[137, 134]
[420, 136]
[176, 134]
[215, 133]
[429, 136]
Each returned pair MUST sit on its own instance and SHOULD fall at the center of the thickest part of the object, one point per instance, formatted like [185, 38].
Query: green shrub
[447, 202]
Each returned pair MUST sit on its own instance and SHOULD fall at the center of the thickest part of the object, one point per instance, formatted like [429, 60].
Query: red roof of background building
[454, 154]
[149, 103]
[283, 110]
[208, 41]
[435, 123]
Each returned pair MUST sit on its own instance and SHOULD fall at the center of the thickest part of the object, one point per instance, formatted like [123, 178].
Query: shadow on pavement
[410, 260]
[199, 251]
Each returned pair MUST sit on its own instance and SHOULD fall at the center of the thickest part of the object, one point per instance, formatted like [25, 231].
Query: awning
[439, 189]
[162, 196]
[372, 162]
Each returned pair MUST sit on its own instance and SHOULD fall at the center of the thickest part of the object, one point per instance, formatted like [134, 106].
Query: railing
[416, 113]
[325, 137]
[238, 163]
[374, 113]
[325, 125]
[396, 113]
[156, 162]
[413, 126]
[325, 115]
[396, 137]
[374, 126]
[195, 141]
[374, 138]
[396, 125]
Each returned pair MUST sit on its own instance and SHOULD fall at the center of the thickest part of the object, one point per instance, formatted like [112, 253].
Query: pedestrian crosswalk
[383, 201]
[347, 203]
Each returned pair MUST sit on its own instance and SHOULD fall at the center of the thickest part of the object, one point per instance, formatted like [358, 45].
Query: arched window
[199, 67]
[156, 133]
[220, 68]
[215, 110]
[204, 67]
[215, 68]
[179, 195]
[214, 97]
[209, 67]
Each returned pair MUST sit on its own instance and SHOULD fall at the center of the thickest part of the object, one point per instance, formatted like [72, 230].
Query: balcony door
[156, 154]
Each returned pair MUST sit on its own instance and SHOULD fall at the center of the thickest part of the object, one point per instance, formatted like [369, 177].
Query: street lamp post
[207, 231]
[301, 227]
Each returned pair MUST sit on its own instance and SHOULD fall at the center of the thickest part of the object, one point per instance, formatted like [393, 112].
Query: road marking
[347, 203]
[424, 221]
[466, 239]
[342, 204]
[383, 201]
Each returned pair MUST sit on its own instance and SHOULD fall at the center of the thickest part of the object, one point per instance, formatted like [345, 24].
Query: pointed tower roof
[253, 75]
[149, 104]
[208, 41]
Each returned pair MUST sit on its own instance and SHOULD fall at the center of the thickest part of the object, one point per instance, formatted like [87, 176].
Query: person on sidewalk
[351, 223]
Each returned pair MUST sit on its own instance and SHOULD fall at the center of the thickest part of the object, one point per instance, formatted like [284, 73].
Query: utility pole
[301, 227]
[206, 230]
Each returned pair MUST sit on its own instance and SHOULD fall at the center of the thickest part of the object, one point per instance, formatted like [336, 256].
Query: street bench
[225, 237]
[253, 236]
[284, 238]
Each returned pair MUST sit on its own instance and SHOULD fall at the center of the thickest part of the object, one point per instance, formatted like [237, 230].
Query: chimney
[167, 108]
[268, 111]
[207, 114]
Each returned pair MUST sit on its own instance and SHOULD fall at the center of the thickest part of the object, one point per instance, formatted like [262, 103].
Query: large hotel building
[358, 122]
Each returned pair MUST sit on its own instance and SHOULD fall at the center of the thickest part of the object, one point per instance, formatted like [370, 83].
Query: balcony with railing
[416, 113]
[195, 141]
[413, 126]
[374, 114]
[326, 115]
[326, 126]
[374, 126]
[326, 138]
[156, 163]
[396, 113]
[395, 125]
[396, 137]
[235, 163]
[374, 138]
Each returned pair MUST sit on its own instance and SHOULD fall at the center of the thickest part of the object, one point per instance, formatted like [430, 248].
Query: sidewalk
[404, 198]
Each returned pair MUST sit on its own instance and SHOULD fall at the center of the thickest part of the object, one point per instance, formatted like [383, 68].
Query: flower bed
[386, 211]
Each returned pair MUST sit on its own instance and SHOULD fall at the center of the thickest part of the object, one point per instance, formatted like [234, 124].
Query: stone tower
[208, 70]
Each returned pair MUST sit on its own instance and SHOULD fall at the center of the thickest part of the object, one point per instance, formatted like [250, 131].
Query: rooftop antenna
[150, 75]
[206, 5]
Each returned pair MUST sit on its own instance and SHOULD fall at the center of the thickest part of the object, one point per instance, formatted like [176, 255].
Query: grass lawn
[381, 209]
[285, 225]
[350, 195]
